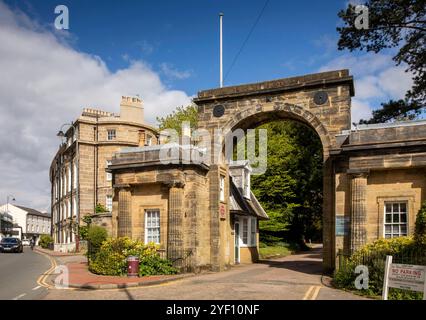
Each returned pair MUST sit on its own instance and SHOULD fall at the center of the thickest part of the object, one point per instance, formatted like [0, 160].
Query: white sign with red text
[404, 276]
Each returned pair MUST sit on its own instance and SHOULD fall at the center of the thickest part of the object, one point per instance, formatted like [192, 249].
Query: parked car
[26, 242]
[11, 245]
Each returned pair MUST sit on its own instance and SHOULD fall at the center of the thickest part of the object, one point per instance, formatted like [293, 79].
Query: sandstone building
[203, 214]
[374, 177]
[78, 178]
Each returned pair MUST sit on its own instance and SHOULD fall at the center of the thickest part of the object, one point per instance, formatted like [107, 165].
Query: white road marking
[35, 288]
[20, 296]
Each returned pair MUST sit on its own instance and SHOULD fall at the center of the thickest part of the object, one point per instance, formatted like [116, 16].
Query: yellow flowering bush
[373, 255]
[111, 259]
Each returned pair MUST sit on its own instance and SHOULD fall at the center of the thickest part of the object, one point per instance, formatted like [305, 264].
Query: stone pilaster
[124, 212]
[358, 210]
[175, 246]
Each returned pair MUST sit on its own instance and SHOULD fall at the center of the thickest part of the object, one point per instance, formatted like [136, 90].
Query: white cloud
[376, 78]
[44, 83]
[171, 72]
[360, 110]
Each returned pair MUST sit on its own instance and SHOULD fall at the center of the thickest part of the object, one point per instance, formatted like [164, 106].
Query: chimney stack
[131, 109]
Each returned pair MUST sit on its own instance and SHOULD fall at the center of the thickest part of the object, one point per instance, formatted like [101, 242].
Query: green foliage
[175, 119]
[420, 227]
[290, 190]
[100, 208]
[153, 265]
[111, 259]
[96, 236]
[373, 255]
[45, 241]
[396, 24]
[83, 230]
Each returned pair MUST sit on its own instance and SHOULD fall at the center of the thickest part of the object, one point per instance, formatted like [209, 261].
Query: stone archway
[321, 101]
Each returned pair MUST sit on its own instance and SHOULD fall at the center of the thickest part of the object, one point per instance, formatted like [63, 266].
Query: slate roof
[244, 206]
[34, 212]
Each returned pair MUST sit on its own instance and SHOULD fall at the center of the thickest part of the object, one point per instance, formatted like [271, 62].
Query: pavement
[19, 273]
[295, 277]
[71, 271]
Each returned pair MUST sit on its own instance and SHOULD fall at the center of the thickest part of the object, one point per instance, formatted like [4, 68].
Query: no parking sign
[403, 276]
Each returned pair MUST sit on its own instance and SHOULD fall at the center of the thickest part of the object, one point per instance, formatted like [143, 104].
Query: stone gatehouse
[374, 176]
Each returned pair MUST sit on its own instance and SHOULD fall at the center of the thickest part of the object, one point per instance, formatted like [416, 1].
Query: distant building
[32, 222]
[6, 224]
[77, 174]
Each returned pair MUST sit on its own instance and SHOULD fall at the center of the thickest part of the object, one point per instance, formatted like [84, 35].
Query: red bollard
[133, 266]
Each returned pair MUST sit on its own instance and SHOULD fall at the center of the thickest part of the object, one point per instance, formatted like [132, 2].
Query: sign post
[403, 276]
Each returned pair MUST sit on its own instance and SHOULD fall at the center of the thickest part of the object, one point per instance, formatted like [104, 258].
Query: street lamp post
[62, 135]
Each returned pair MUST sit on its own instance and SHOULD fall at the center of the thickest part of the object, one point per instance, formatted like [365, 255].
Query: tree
[175, 119]
[420, 226]
[397, 24]
[290, 190]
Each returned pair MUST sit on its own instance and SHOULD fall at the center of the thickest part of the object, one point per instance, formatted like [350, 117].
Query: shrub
[373, 255]
[83, 230]
[420, 228]
[154, 264]
[111, 259]
[100, 208]
[45, 241]
[96, 236]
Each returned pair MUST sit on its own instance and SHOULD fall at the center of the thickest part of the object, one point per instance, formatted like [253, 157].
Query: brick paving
[295, 277]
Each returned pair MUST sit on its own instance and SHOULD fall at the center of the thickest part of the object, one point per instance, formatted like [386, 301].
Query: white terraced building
[33, 222]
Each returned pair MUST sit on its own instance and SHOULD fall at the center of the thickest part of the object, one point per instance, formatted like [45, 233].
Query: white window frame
[68, 209]
[251, 234]
[157, 212]
[108, 174]
[108, 202]
[148, 140]
[69, 178]
[222, 188]
[75, 173]
[74, 207]
[111, 134]
[392, 224]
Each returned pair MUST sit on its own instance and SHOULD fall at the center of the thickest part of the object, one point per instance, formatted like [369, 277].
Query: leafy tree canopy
[397, 24]
[175, 119]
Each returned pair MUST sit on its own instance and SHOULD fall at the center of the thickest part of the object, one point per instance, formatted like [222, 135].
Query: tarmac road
[19, 273]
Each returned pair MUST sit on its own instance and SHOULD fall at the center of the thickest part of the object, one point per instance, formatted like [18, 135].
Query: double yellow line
[42, 279]
[312, 293]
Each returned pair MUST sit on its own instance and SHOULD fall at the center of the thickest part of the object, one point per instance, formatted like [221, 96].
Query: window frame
[158, 213]
[250, 233]
[392, 223]
[111, 137]
[107, 200]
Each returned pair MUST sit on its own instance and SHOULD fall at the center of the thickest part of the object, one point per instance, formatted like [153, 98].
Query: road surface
[19, 273]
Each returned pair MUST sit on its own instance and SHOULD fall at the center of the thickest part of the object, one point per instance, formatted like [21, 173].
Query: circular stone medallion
[218, 111]
[320, 97]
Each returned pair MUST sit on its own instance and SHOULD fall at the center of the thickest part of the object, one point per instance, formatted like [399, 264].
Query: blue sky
[165, 51]
[292, 37]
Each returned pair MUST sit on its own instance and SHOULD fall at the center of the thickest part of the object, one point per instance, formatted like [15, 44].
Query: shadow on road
[309, 262]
